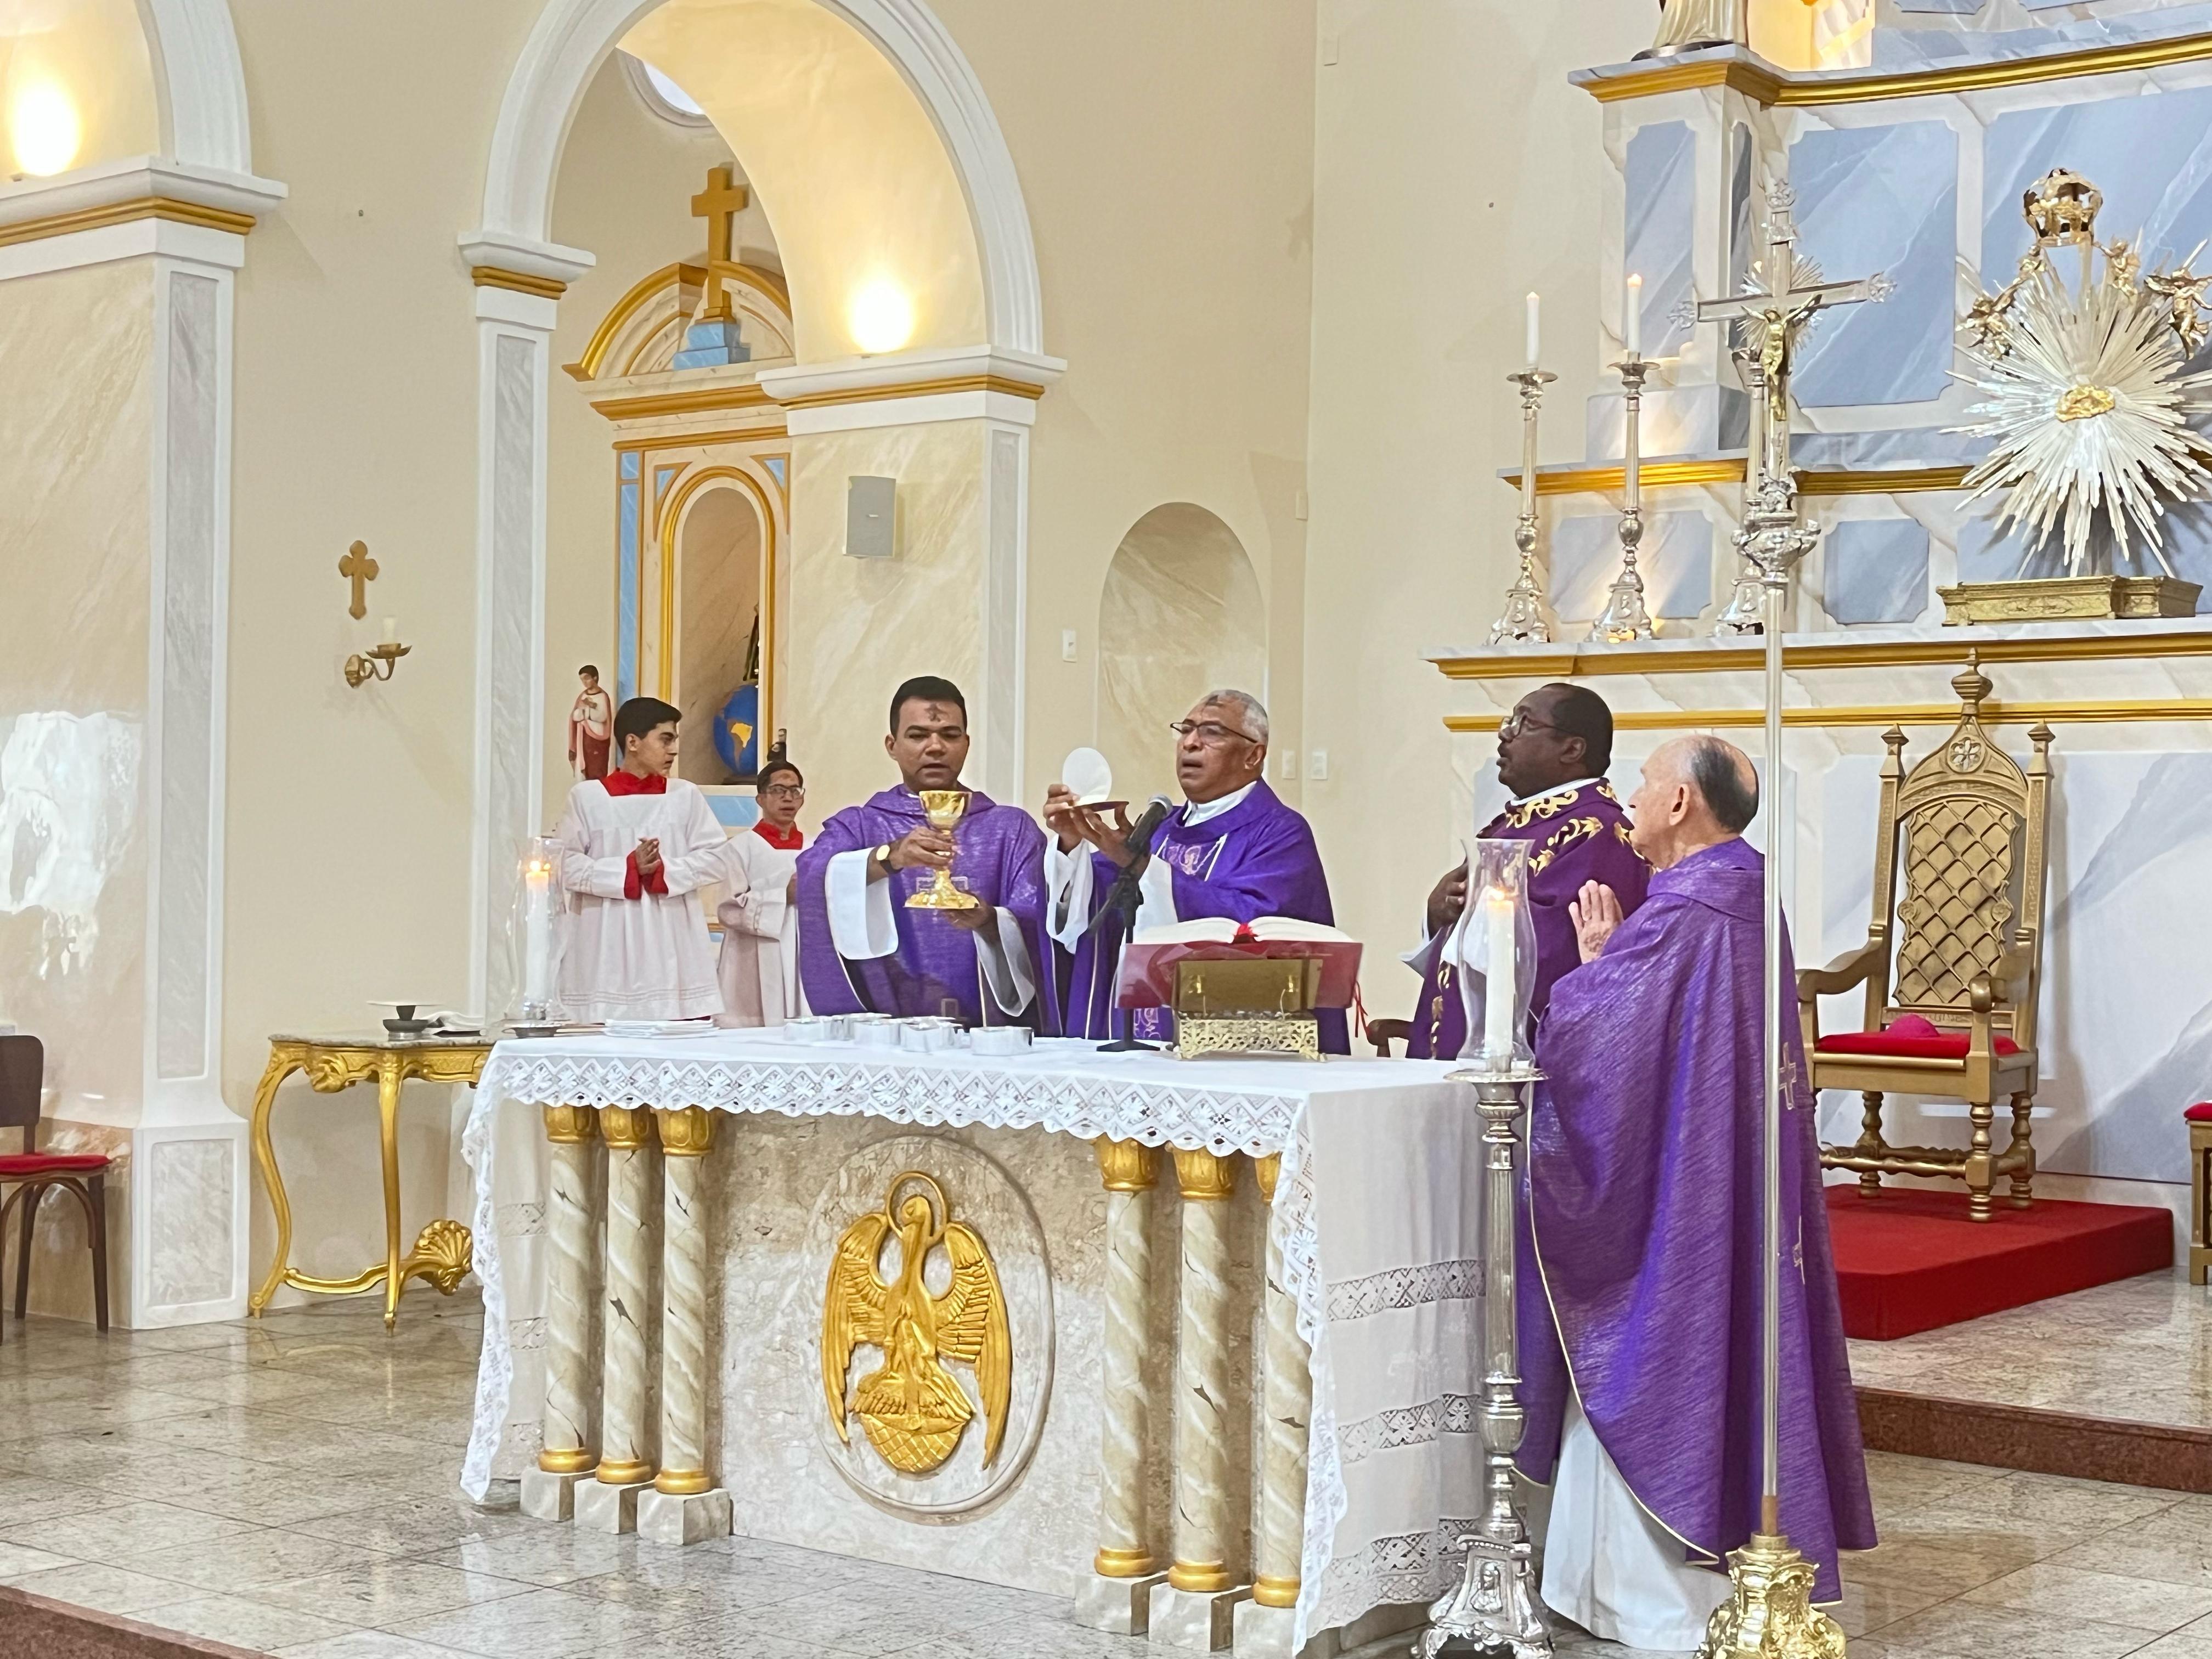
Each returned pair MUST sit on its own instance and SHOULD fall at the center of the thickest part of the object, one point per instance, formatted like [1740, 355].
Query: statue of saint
[1686, 25]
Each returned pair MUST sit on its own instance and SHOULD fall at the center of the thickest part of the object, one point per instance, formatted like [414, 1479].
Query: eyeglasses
[1518, 722]
[1211, 733]
[786, 791]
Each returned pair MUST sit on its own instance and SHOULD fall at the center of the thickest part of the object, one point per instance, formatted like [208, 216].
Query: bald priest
[1641, 1358]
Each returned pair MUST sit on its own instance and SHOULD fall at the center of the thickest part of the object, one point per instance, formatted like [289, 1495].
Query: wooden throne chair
[1952, 967]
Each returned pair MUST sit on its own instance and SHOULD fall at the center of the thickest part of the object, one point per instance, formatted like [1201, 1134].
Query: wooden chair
[1384, 1032]
[2199, 1118]
[32, 1173]
[1965, 943]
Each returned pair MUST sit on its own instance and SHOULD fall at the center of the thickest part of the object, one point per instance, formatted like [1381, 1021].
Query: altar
[1235, 1305]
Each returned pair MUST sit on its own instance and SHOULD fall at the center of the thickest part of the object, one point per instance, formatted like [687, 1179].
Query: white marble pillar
[548, 1490]
[1118, 1595]
[610, 1503]
[685, 1505]
[1264, 1625]
[1193, 1609]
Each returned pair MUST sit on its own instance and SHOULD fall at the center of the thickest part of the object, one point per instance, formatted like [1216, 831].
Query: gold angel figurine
[914, 1411]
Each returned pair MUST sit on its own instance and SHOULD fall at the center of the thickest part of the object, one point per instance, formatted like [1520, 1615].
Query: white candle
[1499, 991]
[1632, 316]
[1535, 330]
[392, 630]
[537, 932]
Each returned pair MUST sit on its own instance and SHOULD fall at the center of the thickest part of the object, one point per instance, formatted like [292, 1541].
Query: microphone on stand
[1121, 902]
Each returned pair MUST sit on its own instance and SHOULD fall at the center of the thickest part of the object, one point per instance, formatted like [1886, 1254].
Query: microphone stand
[1122, 903]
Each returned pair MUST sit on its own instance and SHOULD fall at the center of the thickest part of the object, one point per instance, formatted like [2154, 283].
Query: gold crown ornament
[2061, 208]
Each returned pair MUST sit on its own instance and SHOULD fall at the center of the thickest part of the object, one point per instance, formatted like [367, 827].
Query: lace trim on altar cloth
[1404, 1287]
[1409, 1425]
[1407, 1567]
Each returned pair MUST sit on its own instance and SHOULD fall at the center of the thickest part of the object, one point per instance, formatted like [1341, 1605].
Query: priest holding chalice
[927, 899]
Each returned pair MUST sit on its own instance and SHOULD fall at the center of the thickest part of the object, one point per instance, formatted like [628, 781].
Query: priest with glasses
[1232, 848]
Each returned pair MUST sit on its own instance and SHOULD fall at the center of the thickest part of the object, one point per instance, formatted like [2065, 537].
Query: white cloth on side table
[1381, 1242]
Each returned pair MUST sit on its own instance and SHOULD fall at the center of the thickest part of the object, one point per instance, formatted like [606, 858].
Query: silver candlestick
[1625, 618]
[1496, 1606]
[1522, 619]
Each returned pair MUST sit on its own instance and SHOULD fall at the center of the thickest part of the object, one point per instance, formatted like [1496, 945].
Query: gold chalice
[944, 808]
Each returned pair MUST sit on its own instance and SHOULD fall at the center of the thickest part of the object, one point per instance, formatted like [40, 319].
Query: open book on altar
[1319, 965]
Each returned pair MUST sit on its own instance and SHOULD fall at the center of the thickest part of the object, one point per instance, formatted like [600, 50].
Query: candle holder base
[1769, 1613]
[1496, 1608]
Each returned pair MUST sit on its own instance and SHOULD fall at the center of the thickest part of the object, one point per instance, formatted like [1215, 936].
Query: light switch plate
[1067, 645]
[1317, 765]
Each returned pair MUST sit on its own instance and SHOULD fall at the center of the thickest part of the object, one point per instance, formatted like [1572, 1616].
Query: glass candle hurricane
[1500, 945]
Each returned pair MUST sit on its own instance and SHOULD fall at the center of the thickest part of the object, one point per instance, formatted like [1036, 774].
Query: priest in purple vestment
[1553, 753]
[1231, 849]
[862, 950]
[1640, 1347]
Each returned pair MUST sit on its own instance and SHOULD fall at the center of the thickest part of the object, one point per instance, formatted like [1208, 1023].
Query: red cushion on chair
[18, 1166]
[2199, 1113]
[1910, 1037]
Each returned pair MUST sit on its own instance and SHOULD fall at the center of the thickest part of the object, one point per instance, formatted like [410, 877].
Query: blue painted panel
[733, 812]
[1676, 559]
[1880, 199]
[626, 596]
[1662, 211]
[1875, 570]
[776, 465]
[2151, 156]
[629, 463]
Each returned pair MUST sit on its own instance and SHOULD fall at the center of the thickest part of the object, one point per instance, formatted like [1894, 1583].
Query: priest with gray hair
[1233, 848]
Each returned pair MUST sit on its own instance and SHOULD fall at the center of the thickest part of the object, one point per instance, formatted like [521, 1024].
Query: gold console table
[445, 1250]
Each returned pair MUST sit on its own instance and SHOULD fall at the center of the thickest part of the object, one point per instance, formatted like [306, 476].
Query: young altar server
[634, 847]
[862, 949]
[1231, 849]
[760, 922]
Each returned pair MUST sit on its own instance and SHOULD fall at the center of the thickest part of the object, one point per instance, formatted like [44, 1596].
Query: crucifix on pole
[1769, 1613]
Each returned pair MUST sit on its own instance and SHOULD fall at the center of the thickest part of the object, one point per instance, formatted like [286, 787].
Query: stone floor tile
[115, 1536]
[1870, 1606]
[2185, 1559]
[2105, 1598]
[103, 1589]
[385, 1591]
[1965, 1629]
[249, 1562]
[543, 1624]
[241, 1622]
[367, 1645]
[17, 1559]
[549, 1555]
[1048, 1638]
[44, 1496]
[417, 1526]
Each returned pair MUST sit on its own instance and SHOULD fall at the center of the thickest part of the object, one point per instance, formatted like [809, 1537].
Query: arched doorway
[1181, 615]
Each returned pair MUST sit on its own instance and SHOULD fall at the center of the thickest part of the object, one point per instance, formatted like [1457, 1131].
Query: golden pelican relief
[914, 1410]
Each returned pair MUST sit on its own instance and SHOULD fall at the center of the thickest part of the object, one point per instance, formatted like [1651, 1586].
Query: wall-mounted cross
[718, 204]
[360, 569]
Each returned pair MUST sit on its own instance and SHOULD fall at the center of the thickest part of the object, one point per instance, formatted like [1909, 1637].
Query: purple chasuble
[1577, 835]
[1644, 1193]
[1257, 858]
[999, 855]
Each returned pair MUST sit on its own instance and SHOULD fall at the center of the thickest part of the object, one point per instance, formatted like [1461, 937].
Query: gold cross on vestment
[718, 204]
[358, 568]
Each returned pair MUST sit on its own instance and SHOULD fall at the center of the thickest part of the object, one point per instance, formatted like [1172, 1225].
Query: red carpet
[1910, 1261]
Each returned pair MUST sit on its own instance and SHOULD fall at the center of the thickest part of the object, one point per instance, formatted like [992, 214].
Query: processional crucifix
[1769, 1610]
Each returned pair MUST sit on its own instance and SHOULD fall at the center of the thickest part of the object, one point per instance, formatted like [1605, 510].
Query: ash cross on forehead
[718, 204]
[359, 569]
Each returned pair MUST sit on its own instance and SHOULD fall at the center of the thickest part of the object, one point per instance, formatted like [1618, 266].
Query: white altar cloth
[1378, 1211]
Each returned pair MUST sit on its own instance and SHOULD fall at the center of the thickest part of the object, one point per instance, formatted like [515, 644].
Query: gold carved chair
[1951, 967]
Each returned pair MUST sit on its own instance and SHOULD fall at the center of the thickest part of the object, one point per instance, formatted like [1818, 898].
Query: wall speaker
[870, 506]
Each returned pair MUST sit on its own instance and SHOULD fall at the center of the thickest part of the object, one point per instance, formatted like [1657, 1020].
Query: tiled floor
[288, 1487]
[2139, 1350]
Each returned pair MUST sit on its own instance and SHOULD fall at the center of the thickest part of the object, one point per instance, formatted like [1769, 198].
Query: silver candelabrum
[1522, 619]
[1625, 617]
[1495, 1606]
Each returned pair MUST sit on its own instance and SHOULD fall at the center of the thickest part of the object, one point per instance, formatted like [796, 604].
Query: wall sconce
[358, 569]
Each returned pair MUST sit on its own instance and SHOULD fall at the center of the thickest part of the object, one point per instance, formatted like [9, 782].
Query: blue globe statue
[737, 731]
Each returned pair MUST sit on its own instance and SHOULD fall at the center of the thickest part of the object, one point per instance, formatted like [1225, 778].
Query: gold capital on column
[1203, 1177]
[1126, 1166]
[570, 1126]
[688, 1133]
[1267, 1170]
[625, 1129]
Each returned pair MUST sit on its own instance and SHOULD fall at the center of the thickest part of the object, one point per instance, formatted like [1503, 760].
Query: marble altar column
[1265, 1623]
[1194, 1608]
[685, 1505]
[1118, 1595]
[609, 1503]
[549, 1491]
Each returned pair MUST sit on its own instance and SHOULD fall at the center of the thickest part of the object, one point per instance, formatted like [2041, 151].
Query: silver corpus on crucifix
[1496, 1607]
[1522, 619]
[1625, 617]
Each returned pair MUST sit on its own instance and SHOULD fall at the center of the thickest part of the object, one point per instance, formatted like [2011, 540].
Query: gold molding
[1840, 715]
[643, 292]
[1763, 86]
[1126, 1166]
[1267, 1171]
[1204, 1178]
[1856, 653]
[124, 213]
[913, 389]
[519, 281]
[685, 1131]
[571, 1125]
[702, 439]
[625, 1129]
[1271, 1591]
[1654, 475]
[1123, 1564]
[737, 394]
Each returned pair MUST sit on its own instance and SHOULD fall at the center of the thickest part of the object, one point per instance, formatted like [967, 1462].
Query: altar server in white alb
[636, 847]
[760, 918]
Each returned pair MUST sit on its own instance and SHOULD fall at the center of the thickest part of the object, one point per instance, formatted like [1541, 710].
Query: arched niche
[722, 544]
[1181, 614]
[78, 86]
